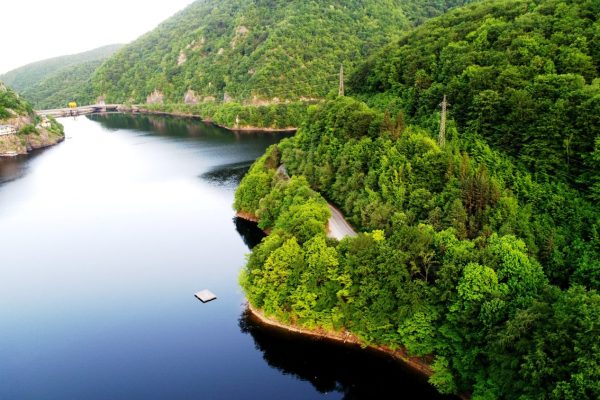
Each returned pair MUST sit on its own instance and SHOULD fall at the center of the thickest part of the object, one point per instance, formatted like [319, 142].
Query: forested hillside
[481, 254]
[53, 82]
[12, 105]
[255, 50]
[523, 75]
[467, 261]
[73, 83]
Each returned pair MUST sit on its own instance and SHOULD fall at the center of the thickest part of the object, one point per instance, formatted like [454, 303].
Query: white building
[7, 130]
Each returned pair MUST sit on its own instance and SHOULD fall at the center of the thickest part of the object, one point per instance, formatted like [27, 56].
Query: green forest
[12, 105]
[256, 50]
[480, 253]
[73, 83]
[522, 75]
[479, 250]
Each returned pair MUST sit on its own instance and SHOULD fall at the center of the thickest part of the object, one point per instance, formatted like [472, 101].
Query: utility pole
[442, 136]
[341, 90]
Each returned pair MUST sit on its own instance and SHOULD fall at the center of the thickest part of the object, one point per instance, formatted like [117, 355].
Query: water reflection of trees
[249, 231]
[12, 168]
[332, 367]
[163, 125]
[181, 127]
[228, 175]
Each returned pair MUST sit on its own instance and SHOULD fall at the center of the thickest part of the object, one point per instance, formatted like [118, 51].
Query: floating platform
[205, 296]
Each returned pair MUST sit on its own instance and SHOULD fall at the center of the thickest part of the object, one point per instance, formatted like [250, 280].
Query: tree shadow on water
[251, 234]
[348, 370]
[229, 175]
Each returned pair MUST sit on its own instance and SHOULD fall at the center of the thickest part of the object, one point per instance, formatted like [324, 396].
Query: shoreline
[252, 218]
[247, 216]
[241, 129]
[46, 145]
[255, 129]
[141, 109]
[415, 363]
[32, 144]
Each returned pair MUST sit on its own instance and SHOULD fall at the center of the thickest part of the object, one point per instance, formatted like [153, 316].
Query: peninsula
[21, 130]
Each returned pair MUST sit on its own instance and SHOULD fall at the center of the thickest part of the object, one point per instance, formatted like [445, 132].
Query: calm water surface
[103, 241]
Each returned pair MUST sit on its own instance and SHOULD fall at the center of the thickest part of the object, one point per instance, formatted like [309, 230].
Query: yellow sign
[72, 105]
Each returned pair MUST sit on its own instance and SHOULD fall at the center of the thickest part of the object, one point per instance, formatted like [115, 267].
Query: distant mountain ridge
[51, 82]
[72, 83]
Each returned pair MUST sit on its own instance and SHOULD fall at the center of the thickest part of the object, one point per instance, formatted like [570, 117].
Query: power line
[442, 135]
[341, 88]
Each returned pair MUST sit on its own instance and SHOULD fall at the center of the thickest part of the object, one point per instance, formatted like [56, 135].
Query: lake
[104, 240]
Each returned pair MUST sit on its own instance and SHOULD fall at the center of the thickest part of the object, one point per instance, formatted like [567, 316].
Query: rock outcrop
[191, 97]
[182, 58]
[155, 97]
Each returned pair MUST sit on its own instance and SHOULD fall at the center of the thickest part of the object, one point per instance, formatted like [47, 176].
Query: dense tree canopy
[522, 74]
[466, 256]
[12, 104]
[73, 83]
[483, 253]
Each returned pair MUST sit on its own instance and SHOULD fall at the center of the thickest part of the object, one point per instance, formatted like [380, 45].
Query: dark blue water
[103, 241]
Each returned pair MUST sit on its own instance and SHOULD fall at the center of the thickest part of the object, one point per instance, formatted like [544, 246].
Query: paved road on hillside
[339, 228]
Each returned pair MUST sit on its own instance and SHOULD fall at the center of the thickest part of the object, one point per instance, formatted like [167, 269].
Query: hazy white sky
[33, 30]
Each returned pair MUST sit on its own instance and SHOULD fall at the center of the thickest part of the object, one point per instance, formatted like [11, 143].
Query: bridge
[83, 110]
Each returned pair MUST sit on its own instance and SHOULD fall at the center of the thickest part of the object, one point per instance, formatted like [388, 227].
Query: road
[339, 228]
